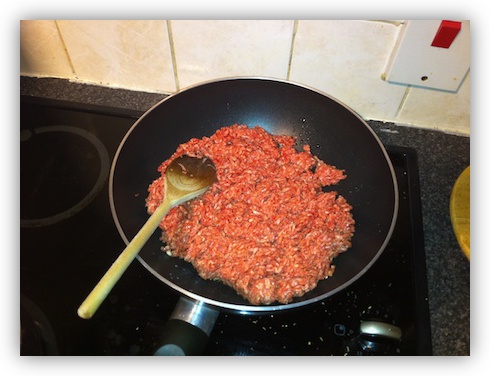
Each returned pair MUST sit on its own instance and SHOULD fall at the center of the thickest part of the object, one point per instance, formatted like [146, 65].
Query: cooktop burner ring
[101, 179]
[37, 336]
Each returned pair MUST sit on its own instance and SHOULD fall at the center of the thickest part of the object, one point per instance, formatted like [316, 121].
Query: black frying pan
[335, 133]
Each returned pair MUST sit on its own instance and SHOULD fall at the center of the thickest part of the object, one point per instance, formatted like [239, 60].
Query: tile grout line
[394, 23]
[291, 50]
[402, 102]
[70, 62]
[172, 54]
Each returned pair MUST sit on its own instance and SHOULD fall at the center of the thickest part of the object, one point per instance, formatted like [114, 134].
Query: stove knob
[379, 338]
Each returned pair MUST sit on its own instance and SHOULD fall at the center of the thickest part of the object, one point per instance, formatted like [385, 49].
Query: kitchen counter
[441, 157]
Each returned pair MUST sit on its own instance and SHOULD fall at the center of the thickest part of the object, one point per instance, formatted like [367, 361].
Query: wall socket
[414, 61]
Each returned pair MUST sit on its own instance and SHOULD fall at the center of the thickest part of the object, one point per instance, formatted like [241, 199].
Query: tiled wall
[342, 58]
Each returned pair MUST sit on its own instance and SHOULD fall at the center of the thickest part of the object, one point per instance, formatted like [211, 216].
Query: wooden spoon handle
[110, 278]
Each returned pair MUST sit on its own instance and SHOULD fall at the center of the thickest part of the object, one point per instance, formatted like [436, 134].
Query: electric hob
[68, 240]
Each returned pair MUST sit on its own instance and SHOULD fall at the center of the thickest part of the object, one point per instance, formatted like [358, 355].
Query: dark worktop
[442, 157]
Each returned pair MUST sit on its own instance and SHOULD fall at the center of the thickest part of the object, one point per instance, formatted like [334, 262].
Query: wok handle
[188, 328]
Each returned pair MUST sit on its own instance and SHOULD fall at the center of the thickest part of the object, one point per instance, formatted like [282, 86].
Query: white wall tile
[41, 50]
[127, 54]
[445, 111]
[343, 58]
[346, 59]
[206, 50]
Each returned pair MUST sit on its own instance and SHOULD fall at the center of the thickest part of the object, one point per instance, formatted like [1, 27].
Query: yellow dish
[459, 209]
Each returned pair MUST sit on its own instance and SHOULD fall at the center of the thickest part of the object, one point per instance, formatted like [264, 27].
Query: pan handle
[188, 328]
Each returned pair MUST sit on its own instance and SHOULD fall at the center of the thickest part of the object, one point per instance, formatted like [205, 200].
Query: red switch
[446, 33]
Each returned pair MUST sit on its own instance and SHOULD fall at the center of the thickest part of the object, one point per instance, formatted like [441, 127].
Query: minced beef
[266, 227]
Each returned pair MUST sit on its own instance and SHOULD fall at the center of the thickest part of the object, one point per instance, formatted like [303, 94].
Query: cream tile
[206, 49]
[345, 59]
[41, 50]
[445, 111]
[127, 54]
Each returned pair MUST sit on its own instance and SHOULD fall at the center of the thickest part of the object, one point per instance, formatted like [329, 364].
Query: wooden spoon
[185, 178]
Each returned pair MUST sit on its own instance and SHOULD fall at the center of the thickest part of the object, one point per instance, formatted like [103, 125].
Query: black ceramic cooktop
[68, 239]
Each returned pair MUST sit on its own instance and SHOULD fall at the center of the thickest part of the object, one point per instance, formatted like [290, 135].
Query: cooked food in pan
[270, 225]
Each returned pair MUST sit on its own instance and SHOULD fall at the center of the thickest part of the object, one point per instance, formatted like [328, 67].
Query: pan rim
[250, 309]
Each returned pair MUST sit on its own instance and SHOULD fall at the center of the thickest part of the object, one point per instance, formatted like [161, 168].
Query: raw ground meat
[266, 227]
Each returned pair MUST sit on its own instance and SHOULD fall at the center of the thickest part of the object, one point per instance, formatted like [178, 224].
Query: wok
[336, 135]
